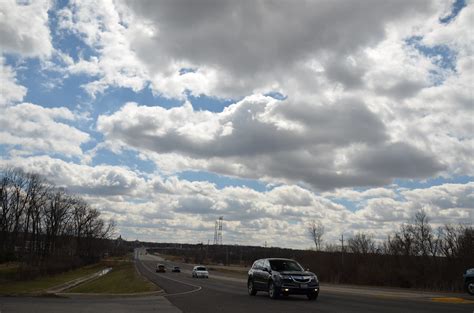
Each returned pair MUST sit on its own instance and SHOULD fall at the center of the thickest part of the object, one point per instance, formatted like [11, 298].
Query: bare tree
[40, 223]
[316, 233]
[361, 243]
[422, 234]
[457, 241]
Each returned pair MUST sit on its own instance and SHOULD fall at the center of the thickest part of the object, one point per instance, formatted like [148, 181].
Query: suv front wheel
[273, 292]
[470, 287]
[251, 288]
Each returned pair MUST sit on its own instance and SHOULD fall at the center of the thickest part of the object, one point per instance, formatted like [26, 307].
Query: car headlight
[315, 278]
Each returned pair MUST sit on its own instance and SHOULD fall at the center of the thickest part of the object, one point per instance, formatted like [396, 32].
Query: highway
[225, 294]
[229, 294]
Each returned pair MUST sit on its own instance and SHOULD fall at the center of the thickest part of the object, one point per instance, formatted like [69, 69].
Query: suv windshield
[285, 265]
[200, 269]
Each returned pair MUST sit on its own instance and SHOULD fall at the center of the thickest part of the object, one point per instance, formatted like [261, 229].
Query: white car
[200, 271]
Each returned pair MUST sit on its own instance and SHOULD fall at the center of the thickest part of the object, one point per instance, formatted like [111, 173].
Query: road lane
[230, 295]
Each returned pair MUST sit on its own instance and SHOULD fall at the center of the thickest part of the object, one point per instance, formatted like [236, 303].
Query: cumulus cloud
[234, 48]
[10, 90]
[327, 51]
[354, 195]
[447, 196]
[24, 28]
[101, 180]
[113, 61]
[279, 139]
[30, 128]
[446, 203]
[222, 36]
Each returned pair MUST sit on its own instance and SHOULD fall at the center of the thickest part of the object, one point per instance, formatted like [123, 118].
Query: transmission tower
[218, 231]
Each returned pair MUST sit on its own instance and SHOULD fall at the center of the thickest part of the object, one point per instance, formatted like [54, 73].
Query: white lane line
[198, 288]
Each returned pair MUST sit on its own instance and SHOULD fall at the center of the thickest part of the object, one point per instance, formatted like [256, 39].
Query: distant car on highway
[200, 271]
[281, 277]
[469, 281]
[160, 268]
[176, 269]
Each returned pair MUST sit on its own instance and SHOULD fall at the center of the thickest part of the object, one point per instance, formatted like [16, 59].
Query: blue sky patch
[212, 104]
[127, 158]
[458, 5]
[440, 55]
[420, 184]
[276, 95]
[186, 70]
[222, 181]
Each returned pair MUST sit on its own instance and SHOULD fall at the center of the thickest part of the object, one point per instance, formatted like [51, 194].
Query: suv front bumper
[293, 289]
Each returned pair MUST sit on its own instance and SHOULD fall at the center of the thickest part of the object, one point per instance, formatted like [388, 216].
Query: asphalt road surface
[225, 294]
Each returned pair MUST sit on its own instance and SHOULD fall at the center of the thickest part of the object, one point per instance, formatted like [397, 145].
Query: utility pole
[342, 249]
[227, 255]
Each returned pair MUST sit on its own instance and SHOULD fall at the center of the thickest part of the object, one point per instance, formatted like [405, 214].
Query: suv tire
[251, 288]
[273, 292]
[470, 287]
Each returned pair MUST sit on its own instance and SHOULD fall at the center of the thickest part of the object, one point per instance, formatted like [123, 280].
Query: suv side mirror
[266, 270]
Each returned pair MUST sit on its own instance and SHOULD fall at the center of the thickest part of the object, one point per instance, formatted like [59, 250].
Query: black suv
[469, 281]
[281, 277]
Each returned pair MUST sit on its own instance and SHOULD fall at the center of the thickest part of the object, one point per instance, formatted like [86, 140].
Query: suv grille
[302, 279]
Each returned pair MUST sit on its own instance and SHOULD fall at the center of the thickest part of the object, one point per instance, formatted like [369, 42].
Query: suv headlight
[314, 278]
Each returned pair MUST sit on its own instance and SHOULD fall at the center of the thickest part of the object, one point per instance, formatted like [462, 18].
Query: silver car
[200, 271]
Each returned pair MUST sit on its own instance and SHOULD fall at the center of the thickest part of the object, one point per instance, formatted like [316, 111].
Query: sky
[165, 115]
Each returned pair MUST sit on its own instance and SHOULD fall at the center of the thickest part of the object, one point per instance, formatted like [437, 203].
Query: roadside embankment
[122, 279]
[42, 284]
[111, 276]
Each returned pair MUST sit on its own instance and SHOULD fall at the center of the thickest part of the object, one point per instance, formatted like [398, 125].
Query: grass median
[122, 279]
[13, 287]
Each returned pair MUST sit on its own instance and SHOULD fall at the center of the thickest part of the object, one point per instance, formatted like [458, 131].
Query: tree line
[47, 228]
[414, 238]
[416, 255]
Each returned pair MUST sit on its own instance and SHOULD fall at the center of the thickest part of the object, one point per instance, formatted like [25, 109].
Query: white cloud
[33, 128]
[244, 50]
[264, 138]
[100, 180]
[355, 195]
[100, 26]
[24, 28]
[447, 196]
[10, 90]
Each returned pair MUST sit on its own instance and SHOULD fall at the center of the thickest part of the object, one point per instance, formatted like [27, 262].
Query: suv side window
[255, 265]
[265, 264]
